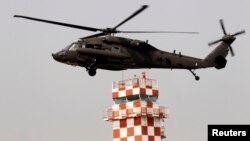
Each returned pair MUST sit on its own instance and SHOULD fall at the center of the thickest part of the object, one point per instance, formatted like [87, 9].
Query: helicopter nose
[55, 56]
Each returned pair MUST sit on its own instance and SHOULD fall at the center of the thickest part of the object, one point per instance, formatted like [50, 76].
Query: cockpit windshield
[75, 45]
[70, 46]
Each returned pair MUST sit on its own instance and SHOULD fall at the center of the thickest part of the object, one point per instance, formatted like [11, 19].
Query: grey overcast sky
[43, 100]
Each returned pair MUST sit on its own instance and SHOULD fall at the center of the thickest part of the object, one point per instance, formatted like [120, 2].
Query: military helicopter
[106, 51]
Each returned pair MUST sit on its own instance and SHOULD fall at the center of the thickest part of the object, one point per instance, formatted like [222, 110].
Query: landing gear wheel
[92, 72]
[197, 78]
[92, 67]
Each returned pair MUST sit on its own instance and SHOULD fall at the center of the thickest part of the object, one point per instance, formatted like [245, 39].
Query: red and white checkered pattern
[136, 120]
[137, 129]
[127, 91]
[135, 109]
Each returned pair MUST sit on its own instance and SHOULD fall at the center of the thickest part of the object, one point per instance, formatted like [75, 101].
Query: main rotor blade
[238, 33]
[95, 35]
[223, 27]
[60, 23]
[157, 32]
[133, 15]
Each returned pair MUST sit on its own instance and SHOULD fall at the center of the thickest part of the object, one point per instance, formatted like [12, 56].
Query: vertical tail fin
[217, 58]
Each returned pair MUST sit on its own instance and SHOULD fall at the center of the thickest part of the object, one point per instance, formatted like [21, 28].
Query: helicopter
[106, 51]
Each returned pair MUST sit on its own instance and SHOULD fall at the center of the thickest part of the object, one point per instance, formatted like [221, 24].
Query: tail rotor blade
[214, 42]
[223, 27]
[238, 33]
[231, 51]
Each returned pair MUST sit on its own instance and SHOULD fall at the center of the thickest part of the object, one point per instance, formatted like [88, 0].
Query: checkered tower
[135, 114]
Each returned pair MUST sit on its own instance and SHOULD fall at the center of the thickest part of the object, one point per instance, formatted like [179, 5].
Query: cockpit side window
[89, 46]
[83, 45]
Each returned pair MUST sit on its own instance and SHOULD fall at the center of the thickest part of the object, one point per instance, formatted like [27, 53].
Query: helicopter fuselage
[118, 53]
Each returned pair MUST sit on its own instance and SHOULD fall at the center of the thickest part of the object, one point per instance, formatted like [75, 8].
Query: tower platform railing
[135, 82]
[111, 114]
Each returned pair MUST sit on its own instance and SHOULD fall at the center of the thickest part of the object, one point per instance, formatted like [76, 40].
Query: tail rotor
[227, 38]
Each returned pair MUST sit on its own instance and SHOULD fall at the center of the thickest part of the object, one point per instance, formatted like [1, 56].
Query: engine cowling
[221, 62]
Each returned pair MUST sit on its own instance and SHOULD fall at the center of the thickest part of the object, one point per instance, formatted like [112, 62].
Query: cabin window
[115, 49]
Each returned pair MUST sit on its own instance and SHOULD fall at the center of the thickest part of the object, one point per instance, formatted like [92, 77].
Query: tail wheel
[197, 78]
[92, 72]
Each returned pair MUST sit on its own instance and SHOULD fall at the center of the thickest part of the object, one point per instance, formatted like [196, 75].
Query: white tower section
[136, 115]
